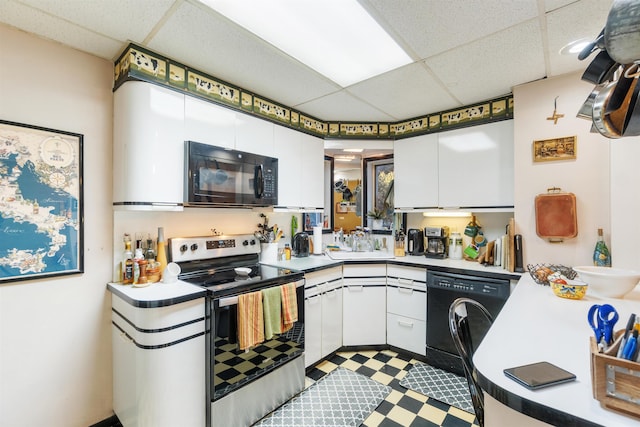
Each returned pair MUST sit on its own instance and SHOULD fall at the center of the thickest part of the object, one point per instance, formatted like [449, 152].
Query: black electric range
[210, 262]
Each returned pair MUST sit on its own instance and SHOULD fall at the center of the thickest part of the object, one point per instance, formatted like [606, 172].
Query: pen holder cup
[615, 381]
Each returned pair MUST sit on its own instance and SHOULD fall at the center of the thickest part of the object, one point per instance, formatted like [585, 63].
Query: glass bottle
[149, 253]
[287, 251]
[601, 255]
[127, 263]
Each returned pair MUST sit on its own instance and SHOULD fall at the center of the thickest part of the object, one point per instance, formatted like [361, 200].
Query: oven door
[216, 176]
[233, 368]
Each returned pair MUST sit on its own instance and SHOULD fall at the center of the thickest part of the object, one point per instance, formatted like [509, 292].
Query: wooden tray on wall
[556, 217]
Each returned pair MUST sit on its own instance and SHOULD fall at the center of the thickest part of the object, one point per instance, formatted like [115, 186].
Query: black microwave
[216, 176]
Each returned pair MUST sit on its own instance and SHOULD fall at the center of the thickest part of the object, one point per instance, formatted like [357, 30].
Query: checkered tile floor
[403, 407]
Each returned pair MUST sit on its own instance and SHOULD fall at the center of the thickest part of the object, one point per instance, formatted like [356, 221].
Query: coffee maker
[437, 242]
[415, 241]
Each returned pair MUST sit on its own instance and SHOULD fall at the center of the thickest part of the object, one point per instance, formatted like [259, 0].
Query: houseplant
[376, 216]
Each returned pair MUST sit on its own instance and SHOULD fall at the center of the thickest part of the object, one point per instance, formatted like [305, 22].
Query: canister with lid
[455, 245]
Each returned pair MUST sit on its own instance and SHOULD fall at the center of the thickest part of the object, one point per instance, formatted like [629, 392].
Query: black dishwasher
[444, 288]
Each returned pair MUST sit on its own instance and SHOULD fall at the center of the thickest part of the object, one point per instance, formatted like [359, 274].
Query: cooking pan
[622, 31]
[586, 111]
[602, 121]
[556, 217]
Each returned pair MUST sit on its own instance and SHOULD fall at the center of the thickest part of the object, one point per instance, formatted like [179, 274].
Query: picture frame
[313, 219]
[564, 148]
[41, 202]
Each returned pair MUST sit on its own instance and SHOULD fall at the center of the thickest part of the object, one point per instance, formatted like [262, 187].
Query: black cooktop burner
[219, 276]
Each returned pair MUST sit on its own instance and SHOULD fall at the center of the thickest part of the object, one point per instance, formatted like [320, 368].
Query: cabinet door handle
[408, 282]
[332, 293]
[314, 299]
[358, 288]
[405, 290]
[405, 324]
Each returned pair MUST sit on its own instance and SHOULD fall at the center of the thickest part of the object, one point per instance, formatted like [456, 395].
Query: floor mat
[438, 384]
[342, 398]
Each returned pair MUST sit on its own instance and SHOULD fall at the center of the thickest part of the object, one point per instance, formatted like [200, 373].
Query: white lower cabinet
[332, 318]
[312, 326]
[323, 314]
[407, 308]
[159, 364]
[364, 304]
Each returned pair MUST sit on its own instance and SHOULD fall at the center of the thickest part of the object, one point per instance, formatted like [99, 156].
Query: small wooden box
[615, 381]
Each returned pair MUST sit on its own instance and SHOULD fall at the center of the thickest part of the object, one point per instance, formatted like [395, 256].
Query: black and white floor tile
[403, 407]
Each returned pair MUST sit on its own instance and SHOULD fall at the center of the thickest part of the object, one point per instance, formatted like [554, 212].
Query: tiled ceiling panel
[405, 92]
[464, 51]
[492, 66]
[122, 20]
[51, 27]
[342, 106]
[435, 26]
[215, 45]
[584, 19]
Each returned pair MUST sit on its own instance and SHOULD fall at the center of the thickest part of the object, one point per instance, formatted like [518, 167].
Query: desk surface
[535, 325]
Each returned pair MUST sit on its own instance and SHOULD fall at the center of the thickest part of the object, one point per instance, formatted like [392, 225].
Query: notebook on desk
[539, 375]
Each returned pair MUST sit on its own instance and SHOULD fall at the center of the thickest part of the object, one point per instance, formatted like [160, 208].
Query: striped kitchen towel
[250, 320]
[289, 306]
[272, 304]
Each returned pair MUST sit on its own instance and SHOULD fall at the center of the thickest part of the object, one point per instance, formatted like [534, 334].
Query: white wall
[587, 176]
[625, 203]
[55, 346]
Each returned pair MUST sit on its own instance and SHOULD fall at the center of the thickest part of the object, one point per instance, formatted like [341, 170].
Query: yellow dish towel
[272, 304]
[289, 306]
[250, 320]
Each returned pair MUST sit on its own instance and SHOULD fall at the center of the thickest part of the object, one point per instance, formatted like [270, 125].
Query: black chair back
[460, 328]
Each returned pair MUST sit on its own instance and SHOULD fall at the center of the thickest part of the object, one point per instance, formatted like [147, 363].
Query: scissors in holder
[602, 319]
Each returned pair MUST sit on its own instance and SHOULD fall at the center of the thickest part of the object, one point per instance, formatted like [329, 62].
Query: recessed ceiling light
[344, 158]
[337, 38]
[575, 47]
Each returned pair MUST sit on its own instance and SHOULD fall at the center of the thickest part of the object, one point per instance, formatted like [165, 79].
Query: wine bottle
[127, 263]
[601, 255]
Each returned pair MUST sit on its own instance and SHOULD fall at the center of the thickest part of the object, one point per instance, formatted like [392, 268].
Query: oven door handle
[233, 300]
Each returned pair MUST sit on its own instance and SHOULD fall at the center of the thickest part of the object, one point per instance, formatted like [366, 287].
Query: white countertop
[162, 294]
[535, 325]
[157, 294]
[323, 261]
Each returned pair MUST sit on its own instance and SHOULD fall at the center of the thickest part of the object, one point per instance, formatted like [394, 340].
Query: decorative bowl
[607, 281]
[572, 289]
[242, 271]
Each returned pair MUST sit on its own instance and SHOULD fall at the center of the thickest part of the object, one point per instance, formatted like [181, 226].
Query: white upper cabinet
[476, 166]
[148, 147]
[312, 176]
[209, 123]
[300, 169]
[415, 166]
[254, 135]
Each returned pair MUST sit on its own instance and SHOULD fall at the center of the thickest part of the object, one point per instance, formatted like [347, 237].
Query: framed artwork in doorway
[315, 219]
[564, 148]
[41, 206]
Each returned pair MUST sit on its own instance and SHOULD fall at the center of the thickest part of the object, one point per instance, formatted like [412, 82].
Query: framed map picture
[41, 215]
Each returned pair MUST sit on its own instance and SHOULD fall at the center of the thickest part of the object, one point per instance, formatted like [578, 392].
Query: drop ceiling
[464, 51]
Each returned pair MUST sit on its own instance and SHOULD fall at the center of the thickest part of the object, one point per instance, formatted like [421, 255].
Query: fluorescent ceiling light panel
[337, 38]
